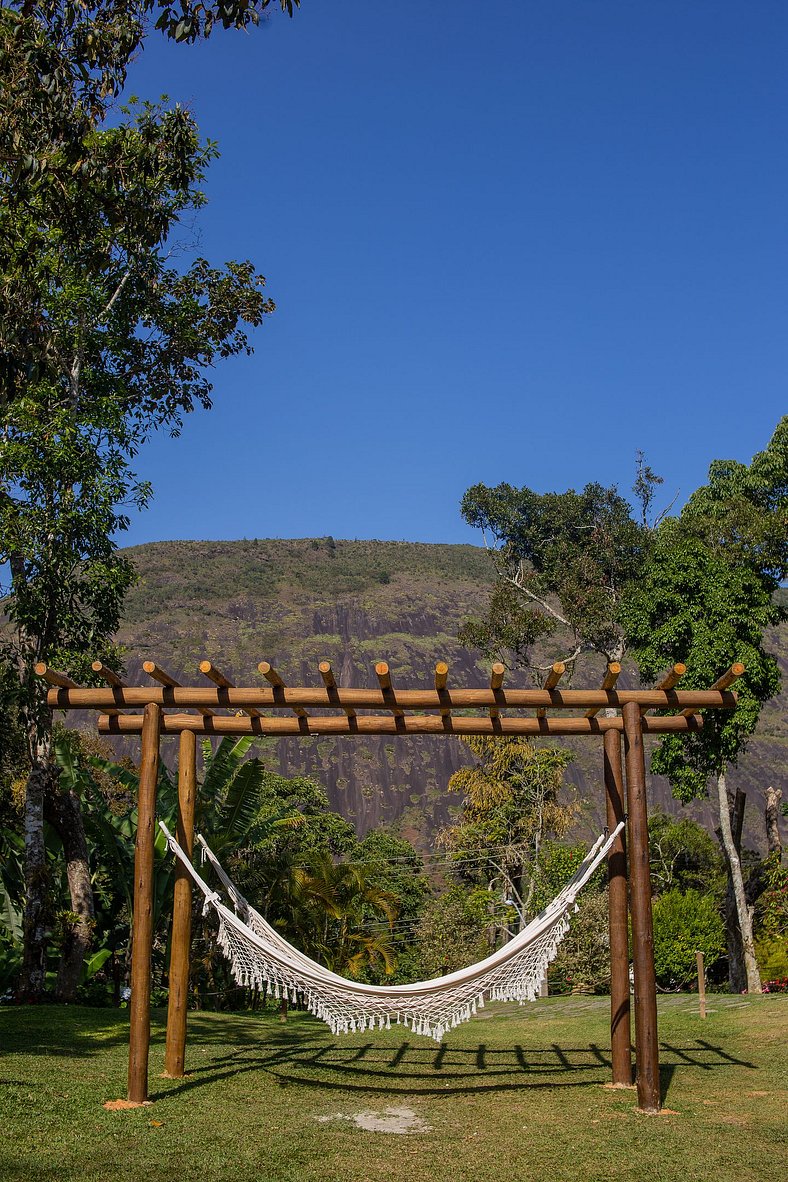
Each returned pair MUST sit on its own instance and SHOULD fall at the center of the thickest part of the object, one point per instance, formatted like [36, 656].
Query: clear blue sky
[508, 241]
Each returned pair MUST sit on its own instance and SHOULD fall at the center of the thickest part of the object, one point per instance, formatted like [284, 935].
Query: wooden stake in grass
[701, 984]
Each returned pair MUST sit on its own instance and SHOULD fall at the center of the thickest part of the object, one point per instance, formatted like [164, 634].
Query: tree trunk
[36, 918]
[64, 813]
[743, 920]
[773, 798]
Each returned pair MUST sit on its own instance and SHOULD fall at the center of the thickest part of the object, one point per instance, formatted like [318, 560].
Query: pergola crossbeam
[309, 697]
[329, 681]
[382, 724]
[611, 677]
[723, 683]
[557, 671]
[272, 677]
[158, 674]
[383, 675]
[209, 670]
[54, 676]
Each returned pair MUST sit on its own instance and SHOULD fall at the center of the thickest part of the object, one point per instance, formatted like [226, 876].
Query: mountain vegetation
[296, 602]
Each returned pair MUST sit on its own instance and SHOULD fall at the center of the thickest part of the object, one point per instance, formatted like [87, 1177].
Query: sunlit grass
[514, 1095]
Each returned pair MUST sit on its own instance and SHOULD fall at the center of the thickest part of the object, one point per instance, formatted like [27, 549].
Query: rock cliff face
[295, 603]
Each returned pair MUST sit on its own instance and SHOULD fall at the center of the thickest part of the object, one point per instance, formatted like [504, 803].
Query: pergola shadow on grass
[607, 712]
[266, 1102]
[409, 1070]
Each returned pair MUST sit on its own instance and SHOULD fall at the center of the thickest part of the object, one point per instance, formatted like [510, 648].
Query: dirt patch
[403, 1121]
[122, 1105]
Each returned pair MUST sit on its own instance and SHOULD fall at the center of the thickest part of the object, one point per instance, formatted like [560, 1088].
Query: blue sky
[508, 241]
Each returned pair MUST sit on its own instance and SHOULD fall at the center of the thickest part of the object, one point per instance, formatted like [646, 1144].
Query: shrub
[685, 922]
[583, 961]
[772, 955]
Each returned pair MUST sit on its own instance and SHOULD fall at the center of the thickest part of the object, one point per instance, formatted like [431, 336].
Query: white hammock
[260, 957]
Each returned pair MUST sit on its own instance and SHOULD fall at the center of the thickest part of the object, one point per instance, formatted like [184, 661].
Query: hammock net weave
[261, 958]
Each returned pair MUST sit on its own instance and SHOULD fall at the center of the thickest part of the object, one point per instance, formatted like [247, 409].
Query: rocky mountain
[297, 602]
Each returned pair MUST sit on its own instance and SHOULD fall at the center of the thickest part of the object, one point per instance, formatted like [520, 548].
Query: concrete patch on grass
[403, 1121]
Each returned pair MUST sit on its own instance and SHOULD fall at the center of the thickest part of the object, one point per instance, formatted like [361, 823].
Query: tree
[510, 804]
[564, 564]
[708, 593]
[700, 586]
[106, 335]
[685, 922]
[683, 857]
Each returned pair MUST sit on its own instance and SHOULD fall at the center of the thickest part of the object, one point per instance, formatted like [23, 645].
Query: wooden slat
[441, 681]
[209, 670]
[557, 671]
[109, 675]
[188, 697]
[672, 677]
[496, 682]
[722, 683]
[329, 681]
[609, 683]
[385, 724]
[158, 674]
[389, 697]
[272, 677]
[111, 678]
[54, 676]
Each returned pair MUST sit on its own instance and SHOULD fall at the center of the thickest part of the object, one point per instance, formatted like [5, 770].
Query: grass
[512, 1096]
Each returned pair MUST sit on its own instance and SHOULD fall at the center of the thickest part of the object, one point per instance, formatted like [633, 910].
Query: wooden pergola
[385, 709]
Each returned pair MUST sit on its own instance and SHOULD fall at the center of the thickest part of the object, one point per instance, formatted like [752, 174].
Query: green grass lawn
[514, 1095]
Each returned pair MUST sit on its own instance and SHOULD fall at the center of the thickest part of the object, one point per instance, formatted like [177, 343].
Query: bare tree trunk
[36, 917]
[63, 811]
[743, 920]
[773, 798]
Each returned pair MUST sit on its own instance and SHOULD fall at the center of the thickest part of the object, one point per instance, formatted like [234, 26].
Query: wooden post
[646, 1045]
[701, 983]
[620, 1035]
[142, 929]
[175, 1053]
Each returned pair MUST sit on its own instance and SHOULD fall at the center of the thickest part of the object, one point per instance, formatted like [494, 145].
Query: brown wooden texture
[646, 1044]
[158, 674]
[728, 678]
[180, 944]
[611, 677]
[557, 671]
[142, 925]
[109, 675]
[441, 682]
[381, 724]
[329, 681]
[54, 676]
[191, 697]
[383, 675]
[620, 1025]
[272, 677]
[209, 670]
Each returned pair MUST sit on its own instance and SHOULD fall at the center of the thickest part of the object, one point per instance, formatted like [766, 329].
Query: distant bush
[772, 955]
[583, 961]
[685, 922]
